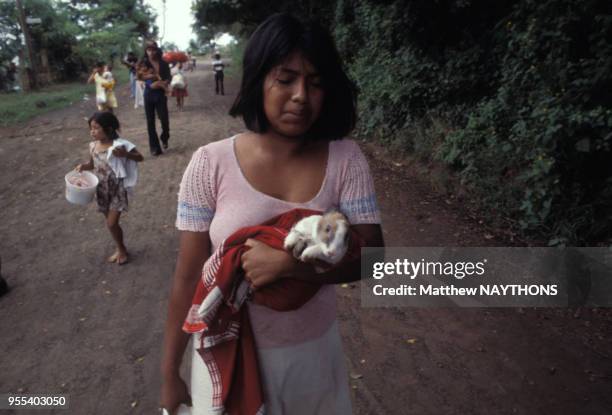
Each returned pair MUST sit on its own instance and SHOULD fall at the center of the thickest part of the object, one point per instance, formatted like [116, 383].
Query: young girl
[113, 161]
[104, 100]
[179, 85]
[109, 87]
[298, 105]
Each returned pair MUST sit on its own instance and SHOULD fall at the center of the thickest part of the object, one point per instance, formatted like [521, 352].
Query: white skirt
[309, 378]
[139, 94]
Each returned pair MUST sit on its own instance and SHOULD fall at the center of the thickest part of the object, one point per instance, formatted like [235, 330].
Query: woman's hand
[263, 265]
[173, 393]
[158, 85]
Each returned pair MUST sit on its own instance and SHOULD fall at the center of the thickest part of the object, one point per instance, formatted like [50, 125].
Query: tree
[77, 33]
[222, 15]
[111, 27]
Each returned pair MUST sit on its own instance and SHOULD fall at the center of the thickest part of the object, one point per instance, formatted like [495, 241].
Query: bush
[524, 85]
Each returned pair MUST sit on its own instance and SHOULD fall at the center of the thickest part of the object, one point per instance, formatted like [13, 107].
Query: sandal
[113, 257]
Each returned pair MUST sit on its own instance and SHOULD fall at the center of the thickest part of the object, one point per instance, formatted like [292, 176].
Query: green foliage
[525, 86]
[546, 131]
[56, 33]
[9, 32]
[235, 52]
[110, 28]
[223, 15]
[76, 34]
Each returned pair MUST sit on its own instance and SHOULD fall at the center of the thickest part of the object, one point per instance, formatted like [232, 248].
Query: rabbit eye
[328, 228]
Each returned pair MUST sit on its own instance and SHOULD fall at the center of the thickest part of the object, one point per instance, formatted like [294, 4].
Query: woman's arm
[264, 265]
[144, 74]
[91, 78]
[193, 252]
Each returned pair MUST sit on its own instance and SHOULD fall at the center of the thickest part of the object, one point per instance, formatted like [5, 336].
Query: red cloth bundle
[227, 344]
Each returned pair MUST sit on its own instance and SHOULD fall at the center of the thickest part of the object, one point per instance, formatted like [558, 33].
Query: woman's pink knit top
[216, 197]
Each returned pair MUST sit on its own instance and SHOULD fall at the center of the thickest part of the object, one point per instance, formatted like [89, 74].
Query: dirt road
[75, 325]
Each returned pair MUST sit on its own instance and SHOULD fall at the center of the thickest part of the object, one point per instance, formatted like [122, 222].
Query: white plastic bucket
[83, 193]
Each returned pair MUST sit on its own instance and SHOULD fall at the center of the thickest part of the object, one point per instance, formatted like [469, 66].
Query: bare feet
[122, 258]
[113, 257]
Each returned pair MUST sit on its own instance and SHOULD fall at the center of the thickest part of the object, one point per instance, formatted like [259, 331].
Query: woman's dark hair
[108, 122]
[158, 53]
[271, 43]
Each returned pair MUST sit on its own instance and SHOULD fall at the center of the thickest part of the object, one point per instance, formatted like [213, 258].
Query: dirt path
[76, 325]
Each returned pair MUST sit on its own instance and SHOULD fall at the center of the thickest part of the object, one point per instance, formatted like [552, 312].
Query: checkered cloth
[227, 344]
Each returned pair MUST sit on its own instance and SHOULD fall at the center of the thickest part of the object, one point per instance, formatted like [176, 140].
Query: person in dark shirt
[218, 67]
[155, 73]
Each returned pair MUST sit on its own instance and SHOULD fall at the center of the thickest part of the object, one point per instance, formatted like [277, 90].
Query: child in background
[148, 76]
[96, 77]
[104, 101]
[179, 85]
[139, 94]
[108, 77]
[140, 86]
[109, 87]
[113, 160]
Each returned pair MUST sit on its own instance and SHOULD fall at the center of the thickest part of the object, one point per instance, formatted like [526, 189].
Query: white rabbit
[324, 237]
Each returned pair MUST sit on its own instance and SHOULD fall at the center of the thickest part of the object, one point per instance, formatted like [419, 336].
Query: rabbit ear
[331, 210]
[334, 215]
[338, 246]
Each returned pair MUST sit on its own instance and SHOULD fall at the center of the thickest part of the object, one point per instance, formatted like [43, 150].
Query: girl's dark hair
[108, 122]
[158, 53]
[271, 43]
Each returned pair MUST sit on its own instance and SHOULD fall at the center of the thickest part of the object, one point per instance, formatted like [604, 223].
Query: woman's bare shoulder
[215, 151]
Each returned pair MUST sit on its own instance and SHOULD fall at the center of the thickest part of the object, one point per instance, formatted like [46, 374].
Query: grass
[19, 107]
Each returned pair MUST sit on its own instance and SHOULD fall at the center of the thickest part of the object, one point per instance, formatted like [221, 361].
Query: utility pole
[26, 34]
[161, 39]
